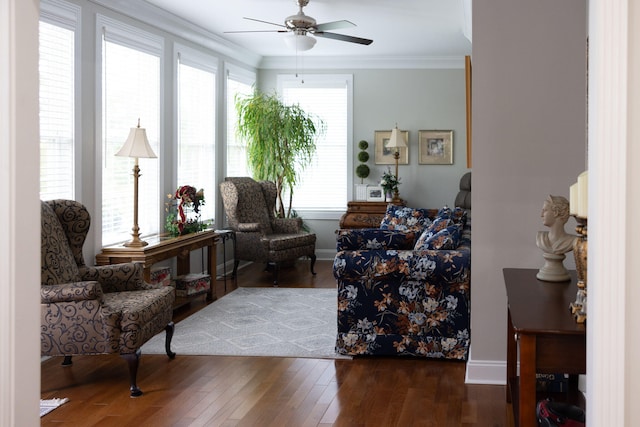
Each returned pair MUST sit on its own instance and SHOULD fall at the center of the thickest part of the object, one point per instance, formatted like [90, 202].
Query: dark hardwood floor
[269, 391]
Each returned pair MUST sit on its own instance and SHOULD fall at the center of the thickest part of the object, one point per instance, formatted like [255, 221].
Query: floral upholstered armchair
[260, 236]
[94, 310]
[404, 289]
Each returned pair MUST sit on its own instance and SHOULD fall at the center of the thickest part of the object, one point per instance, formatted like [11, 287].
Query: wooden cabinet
[550, 341]
[362, 214]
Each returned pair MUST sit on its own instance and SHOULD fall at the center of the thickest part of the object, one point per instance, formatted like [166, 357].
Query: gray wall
[529, 133]
[422, 99]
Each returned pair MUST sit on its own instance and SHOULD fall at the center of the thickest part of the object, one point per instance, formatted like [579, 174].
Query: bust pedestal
[553, 269]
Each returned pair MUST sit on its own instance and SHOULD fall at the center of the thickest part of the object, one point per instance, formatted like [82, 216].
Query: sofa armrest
[127, 276]
[69, 292]
[374, 238]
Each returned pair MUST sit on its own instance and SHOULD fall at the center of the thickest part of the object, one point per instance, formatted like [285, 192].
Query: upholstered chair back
[58, 264]
[247, 201]
[463, 198]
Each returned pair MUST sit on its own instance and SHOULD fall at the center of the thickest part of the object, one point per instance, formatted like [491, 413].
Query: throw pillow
[447, 238]
[402, 218]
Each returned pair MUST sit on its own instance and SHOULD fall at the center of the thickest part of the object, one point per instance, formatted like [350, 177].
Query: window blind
[324, 183]
[196, 132]
[130, 91]
[237, 85]
[57, 106]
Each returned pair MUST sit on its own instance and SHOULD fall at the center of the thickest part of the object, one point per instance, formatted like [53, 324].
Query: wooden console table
[550, 339]
[161, 248]
[363, 214]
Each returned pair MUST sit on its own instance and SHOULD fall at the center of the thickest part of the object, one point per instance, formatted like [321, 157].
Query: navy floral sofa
[404, 289]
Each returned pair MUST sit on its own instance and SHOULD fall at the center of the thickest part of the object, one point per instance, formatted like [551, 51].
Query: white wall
[20, 213]
[415, 99]
[529, 133]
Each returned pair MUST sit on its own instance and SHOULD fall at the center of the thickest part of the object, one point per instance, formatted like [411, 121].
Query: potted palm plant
[280, 141]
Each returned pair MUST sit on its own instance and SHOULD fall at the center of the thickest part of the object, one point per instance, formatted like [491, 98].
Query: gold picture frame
[435, 147]
[384, 155]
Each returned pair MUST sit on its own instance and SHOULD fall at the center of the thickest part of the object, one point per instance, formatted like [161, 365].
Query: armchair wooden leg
[133, 360]
[67, 361]
[276, 268]
[313, 262]
[167, 343]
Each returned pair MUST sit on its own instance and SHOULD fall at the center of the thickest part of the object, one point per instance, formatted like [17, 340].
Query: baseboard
[491, 372]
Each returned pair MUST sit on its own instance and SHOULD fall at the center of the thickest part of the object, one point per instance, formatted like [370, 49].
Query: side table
[550, 340]
[163, 247]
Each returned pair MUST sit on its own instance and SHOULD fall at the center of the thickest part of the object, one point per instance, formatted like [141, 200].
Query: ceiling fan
[301, 26]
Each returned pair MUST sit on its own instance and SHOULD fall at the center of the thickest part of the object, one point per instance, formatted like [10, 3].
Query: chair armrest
[287, 225]
[248, 227]
[374, 238]
[117, 277]
[68, 292]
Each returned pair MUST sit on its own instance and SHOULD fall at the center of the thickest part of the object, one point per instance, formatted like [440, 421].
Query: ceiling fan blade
[255, 31]
[334, 25]
[265, 22]
[343, 37]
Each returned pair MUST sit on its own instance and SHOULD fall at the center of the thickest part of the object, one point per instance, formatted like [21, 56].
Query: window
[325, 183]
[238, 83]
[196, 125]
[130, 92]
[57, 104]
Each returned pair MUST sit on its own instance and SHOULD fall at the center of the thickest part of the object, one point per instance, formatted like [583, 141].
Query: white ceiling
[402, 29]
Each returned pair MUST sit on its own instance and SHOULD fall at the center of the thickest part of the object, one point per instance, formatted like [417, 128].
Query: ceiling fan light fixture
[299, 42]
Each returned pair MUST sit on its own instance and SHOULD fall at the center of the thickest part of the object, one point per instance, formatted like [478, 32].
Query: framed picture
[375, 194]
[384, 154]
[435, 147]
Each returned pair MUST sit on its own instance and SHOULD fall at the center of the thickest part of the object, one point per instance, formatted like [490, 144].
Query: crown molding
[363, 62]
[156, 17]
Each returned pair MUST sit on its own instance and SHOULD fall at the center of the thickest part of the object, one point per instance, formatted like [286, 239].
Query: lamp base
[135, 243]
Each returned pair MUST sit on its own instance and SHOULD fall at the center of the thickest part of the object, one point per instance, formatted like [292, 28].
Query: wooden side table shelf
[550, 340]
[163, 247]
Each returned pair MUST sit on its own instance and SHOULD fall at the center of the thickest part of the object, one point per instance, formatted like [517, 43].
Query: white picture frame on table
[375, 193]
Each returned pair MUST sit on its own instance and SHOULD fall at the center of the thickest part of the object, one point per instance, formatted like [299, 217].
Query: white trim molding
[19, 183]
[613, 295]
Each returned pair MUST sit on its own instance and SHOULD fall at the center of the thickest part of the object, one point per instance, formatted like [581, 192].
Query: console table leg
[527, 402]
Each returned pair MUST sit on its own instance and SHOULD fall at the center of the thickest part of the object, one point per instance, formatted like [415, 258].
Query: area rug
[281, 322]
[48, 405]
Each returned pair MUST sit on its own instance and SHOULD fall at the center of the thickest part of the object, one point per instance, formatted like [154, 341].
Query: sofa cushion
[447, 238]
[402, 218]
[457, 215]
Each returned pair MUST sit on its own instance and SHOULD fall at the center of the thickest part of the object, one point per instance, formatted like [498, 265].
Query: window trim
[185, 55]
[134, 38]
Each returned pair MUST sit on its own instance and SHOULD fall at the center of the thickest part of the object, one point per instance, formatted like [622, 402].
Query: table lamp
[396, 142]
[136, 146]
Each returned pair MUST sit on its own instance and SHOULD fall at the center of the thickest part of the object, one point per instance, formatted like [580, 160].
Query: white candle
[583, 194]
[573, 199]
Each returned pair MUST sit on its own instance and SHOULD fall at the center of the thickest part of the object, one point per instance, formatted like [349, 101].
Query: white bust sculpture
[555, 242]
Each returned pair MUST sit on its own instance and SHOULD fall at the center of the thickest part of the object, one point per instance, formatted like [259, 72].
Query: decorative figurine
[556, 242]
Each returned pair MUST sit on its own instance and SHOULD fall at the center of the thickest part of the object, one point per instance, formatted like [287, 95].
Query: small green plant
[362, 170]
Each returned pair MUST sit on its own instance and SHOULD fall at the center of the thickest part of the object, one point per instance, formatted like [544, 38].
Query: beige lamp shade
[137, 145]
[397, 139]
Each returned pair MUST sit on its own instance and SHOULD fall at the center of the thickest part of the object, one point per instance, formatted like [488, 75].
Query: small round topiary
[363, 156]
[362, 171]
[363, 145]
